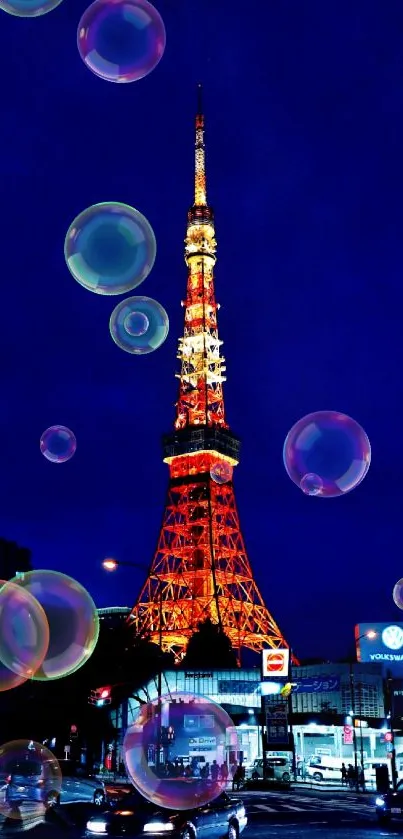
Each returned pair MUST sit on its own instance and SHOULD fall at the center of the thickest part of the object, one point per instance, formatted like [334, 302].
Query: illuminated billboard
[379, 642]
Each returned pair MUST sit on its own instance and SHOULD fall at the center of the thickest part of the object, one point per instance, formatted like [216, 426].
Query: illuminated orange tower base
[200, 568]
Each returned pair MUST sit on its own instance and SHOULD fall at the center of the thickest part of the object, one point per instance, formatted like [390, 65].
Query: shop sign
[348, 735]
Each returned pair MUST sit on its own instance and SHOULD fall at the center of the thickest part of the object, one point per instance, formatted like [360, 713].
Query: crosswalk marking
[266, 808]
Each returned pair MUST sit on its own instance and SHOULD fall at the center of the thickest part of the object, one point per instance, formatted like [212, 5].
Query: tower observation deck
[200, 568]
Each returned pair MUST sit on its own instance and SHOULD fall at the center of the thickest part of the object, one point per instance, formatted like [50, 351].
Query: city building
[112, 617]
[335, 710]
[13, 560]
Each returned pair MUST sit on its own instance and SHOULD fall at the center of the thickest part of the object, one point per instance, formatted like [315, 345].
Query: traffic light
[101, 696]
[73, 732]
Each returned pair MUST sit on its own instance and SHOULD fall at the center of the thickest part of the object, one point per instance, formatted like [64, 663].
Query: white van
[325, 768]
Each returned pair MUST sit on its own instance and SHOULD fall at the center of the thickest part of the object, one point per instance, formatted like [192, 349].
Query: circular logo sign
[275, 662]
[392, 637]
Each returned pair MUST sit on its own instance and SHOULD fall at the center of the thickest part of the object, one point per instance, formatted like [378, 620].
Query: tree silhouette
[44, 710]
[209, 648]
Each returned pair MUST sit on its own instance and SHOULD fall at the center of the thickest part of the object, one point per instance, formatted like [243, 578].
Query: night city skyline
[303, 137]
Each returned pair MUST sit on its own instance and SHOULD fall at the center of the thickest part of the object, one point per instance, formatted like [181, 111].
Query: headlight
[157, 827]
[96, 827]
[379, 802]
[241, 812]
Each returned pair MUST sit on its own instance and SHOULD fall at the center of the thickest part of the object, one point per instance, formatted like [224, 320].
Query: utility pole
[294, 763]
[353, 715]
[159, 682]
[391, 710]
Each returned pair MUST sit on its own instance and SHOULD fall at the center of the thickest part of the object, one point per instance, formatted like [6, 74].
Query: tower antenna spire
[200, 98]
[200, 197]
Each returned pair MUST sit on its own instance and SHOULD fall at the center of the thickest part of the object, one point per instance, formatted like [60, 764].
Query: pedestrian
[214, 770]
[361, 778]
[236, 779]
[224, 772]
[350, 775]
[343, 775]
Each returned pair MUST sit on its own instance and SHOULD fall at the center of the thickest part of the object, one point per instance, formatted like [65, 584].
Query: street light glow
[110, 564]
[371, 634]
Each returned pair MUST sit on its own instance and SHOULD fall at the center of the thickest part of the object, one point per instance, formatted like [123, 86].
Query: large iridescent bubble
[121, 40]
[139, 325]
[58, 444]
[35, 781]
[28, 8]
[72, 617]
[184, 724]
[24, 635]
[398, 594]
[327, 454]
[110, 248]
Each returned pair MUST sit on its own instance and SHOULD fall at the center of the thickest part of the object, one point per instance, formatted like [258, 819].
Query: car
[223, 818]
[389, 805]
[276, 767]
[109, 793]
[32, 781]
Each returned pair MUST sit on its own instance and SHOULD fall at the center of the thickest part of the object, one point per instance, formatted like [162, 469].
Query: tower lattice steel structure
[200, 568]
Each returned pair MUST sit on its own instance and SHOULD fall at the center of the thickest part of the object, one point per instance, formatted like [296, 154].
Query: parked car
[276, 767]
[29, 780]
[109, 793]
[223, 818]
[389, 805]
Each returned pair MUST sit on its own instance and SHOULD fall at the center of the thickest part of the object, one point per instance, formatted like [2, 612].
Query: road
[77, 789]
[308, 801]
[289, 813]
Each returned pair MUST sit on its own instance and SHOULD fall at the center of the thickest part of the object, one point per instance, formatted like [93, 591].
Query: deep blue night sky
[304, 133]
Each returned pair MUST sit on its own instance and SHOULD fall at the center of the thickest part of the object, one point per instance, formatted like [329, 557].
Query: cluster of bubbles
[110, 249]
[21, 760]
[118, 40]
[327, 454]
[49, 627]
[181, 714]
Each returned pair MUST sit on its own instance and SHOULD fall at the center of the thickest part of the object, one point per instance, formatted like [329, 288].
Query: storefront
[330, 713]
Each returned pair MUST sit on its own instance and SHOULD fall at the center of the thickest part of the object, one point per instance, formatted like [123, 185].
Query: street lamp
[112, 565]
[370, 634]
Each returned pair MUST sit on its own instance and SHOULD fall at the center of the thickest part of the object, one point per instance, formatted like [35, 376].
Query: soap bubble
[221, 472]
[311, 484]
[398, 594]
[72, 617]
[24, 634]
[28, 8]
[136, 323]
[187, 725]
[139, 325]
[121, 40]
[58, 444]
[331, 447]
[36, 781]
[110, 248]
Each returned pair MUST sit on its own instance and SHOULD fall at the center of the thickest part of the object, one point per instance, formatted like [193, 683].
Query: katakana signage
[317, 684]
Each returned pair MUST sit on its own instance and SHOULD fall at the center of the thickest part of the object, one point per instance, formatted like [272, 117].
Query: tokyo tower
[200, 568]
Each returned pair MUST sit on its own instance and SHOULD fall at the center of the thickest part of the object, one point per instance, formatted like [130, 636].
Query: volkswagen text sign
[386, 647]
[275, 662]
